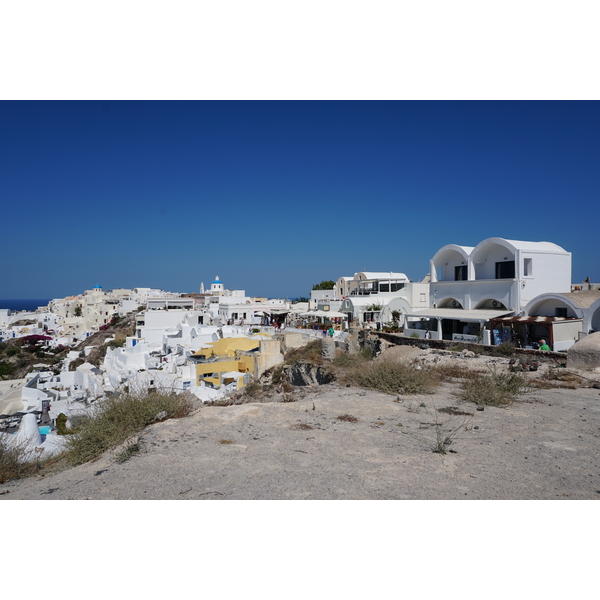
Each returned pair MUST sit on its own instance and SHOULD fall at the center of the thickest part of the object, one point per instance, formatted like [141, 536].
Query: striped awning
[535, 319]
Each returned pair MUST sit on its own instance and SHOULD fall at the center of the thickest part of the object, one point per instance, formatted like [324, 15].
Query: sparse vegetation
[311, 352]
[558, 378]
[301, 426]
[225, 441]
[118, 418]
[348, 418]
[131, 448]
[505, 349]
[344, 359]
[15, 461]
[391, 378]
[496, 388]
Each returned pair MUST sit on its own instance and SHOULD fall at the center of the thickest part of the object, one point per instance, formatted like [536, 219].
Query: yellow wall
[226, 347]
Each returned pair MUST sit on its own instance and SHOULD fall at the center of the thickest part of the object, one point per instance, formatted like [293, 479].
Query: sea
[23, 304]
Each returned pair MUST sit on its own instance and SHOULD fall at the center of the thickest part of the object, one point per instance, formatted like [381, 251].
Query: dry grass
[301, 426]
[310, 352]
[118, 418]
[390, 377]
[454, 411]
[224, 441]
[15, 461]
[346, 360]
[558, 378]
[449, 371]
[496, 388]
[348, 418]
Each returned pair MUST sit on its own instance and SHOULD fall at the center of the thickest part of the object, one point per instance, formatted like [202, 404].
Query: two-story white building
[374, 296]
[472, 286]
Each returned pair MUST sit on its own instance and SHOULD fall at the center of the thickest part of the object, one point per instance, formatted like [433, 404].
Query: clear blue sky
[274, 196]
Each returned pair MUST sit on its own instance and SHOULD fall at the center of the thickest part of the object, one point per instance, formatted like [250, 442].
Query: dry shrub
[224, 441]
[454, 411]
[493, 388]
[311, 352]
[116, 419]
[348, 418]
[391, 378]
[301, 426]
[15, 460]
[345, 360]
[558, 378]
[449, 371]
[504, 349]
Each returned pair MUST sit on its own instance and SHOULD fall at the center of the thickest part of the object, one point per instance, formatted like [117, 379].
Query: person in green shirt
[544, 346]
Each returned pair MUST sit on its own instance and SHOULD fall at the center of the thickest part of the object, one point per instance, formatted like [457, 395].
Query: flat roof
[458, 314]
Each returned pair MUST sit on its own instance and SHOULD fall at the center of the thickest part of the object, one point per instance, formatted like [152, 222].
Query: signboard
[462, 337]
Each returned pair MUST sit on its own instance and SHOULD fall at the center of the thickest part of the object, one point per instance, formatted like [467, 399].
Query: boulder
[585, 354]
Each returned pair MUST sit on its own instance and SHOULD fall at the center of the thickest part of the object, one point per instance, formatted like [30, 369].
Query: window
[460, 273]
[527, 267]
[505, 270]
[560, 312]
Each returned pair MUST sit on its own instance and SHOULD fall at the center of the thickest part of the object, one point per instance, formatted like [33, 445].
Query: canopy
[332, 314]
[458, 314]
[233, 375]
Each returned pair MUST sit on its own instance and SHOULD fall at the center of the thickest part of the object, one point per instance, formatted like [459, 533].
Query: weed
[348, 418]
[131, 449]
[493, 388]
[391, 377]
[224, 441]
[301, 426]
[454, 410]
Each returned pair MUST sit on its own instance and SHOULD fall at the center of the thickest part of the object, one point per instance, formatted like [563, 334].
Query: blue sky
[274, 196]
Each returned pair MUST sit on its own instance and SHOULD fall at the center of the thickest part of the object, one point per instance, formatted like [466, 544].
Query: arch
[491, 304]
[449, 303]
[487, 253]
[593, 317]
[545, 305]
[445, 261]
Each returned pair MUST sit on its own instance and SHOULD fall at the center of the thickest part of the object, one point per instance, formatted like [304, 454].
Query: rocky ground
[338, 442]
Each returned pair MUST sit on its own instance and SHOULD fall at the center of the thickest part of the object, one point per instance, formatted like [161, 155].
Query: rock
[585, 354]
[363, 394]
[161, 415]
[480, 407]
[328, 348]
[303, 373]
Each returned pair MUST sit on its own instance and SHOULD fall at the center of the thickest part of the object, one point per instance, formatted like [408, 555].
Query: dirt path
[545, 446]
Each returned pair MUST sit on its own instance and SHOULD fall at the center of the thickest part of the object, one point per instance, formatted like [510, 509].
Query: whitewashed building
[473, 286]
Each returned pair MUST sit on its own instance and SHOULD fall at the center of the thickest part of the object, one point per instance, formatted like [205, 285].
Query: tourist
[544, 346]
[331, 331]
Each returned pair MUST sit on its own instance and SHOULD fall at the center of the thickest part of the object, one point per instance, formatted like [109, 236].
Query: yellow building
[226, 360]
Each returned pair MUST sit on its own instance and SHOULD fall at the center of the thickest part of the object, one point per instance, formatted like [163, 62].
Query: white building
[374, 296]
[472, 286]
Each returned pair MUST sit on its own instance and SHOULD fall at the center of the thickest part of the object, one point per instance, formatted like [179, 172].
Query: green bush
[61, 424]
[118, 418]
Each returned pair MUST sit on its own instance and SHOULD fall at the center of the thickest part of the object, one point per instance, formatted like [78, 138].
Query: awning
[537, 319]
[457, 314]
